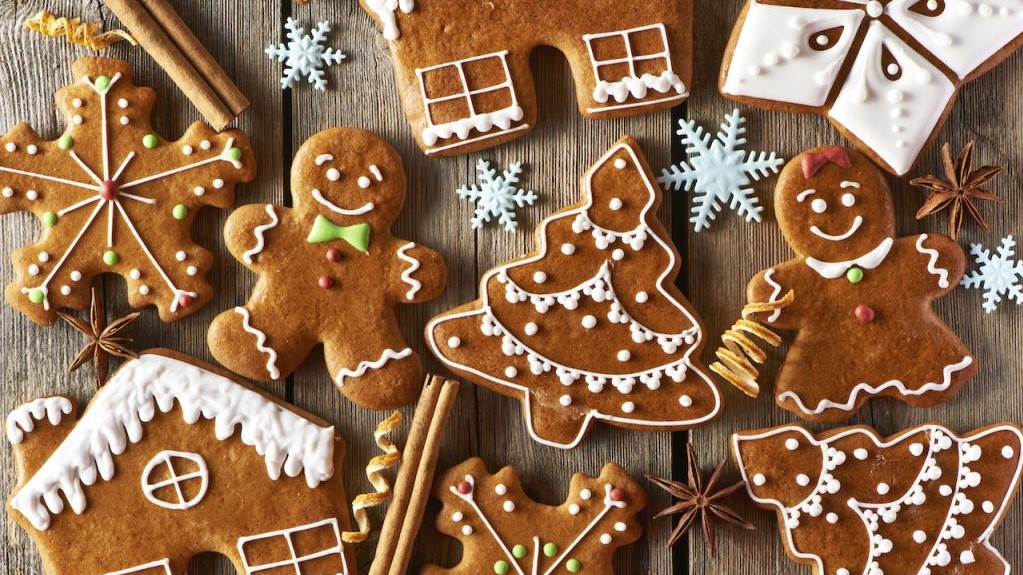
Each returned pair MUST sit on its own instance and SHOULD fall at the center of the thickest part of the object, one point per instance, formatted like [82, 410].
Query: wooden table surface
[717, 263]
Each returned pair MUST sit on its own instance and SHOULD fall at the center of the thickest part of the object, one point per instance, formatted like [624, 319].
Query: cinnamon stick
[162, 33]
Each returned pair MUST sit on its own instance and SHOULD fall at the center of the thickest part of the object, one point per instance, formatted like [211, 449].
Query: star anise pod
[699, 501]
[964, 184]
[103, 339]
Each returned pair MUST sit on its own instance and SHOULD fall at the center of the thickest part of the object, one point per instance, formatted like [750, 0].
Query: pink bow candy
[814, 161]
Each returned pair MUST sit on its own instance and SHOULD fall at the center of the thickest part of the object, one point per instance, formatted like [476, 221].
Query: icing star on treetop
[113, 197]
[305, 55]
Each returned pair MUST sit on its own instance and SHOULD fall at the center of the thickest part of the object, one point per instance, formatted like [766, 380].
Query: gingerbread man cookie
[862, 295]
[330, 272]
[923, 502]
[589, 327]
[113, 197]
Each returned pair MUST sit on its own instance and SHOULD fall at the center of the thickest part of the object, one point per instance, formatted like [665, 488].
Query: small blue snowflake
[498, 196]
[719, 171]
[304, 55]
[999, 274]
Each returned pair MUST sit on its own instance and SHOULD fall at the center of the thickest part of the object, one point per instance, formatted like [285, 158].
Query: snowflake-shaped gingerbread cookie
[305, 55]
[999, 274]
[497, 196]
[114, 197]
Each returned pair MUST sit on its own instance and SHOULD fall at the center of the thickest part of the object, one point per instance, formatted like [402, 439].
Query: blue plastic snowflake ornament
[497, 196]
[719, 172]
[1000, 274]
[305, 55]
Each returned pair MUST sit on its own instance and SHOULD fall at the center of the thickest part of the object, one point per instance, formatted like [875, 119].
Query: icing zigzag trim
[406, 276]
[364, 366]
[942, 273]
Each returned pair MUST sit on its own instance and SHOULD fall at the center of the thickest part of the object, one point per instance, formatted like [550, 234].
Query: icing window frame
[295, 561]
[145, 567]
[167, 458]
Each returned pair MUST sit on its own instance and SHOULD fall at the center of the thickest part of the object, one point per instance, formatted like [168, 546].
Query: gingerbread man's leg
[374, 367]
[260, 343]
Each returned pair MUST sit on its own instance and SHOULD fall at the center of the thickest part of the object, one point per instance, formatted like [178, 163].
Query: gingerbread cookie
[171, 459]
[858, 287]
[885, 73]
[463, 73]
[330, 272]
[113, 197]
[503, 531]
[925, 501]
[590, 326]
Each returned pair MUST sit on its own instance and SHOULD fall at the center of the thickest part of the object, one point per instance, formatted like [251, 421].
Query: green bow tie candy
[325, 230]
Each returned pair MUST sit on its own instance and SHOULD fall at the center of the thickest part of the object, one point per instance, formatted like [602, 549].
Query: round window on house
[175, 480]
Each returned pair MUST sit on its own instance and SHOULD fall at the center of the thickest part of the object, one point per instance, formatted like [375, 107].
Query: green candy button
[49, 219]
[235, 154]
[150, 141]
[65, 142]
[501, 567]
[36, 296]
[550, 549]
[573, 565]
[102, 83]
[519, 551]
[180, 212]
[854, 275]
[110, 257]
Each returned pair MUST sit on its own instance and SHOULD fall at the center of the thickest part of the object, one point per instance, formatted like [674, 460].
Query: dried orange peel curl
[739, 355]
[382, 462]
[76, 32]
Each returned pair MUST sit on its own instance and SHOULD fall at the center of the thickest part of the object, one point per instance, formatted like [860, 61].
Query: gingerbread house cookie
[925, 501]
[462, 67]
[862, 307]
[590, 327]
[172, 459]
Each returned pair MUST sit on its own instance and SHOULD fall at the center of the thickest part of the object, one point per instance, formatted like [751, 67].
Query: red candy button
[617, 494]
[333, 255]
[464, 487]
[326, 283]
[864, 313]
[108, 190]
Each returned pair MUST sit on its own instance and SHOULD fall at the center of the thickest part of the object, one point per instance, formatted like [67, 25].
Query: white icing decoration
[857, 222]
[22, 420]
[271, 361]
[65, 290]
[539, 277]
[287, 537]
[144, 290]
[333, 174]
[565, 400]
[191, 270]
[134, 274]
[364, 209]
[621, 164]
[258, 232]
[685, 401]
[802, 479]
[501, 489]
[933, 256]
[375, 170]
[759, 479]
[364, 182]
[848, 200]
[628, 407]
[482, 122]
[585, 494]
[33, 270]
[364, 366]
[467, 530]
[323, 159]
[606, 539]
[154, 384]
[642, 297]
[567, 249]
[181, 256]
[7, 192]
[167, 459]
[406, 276]
[633, 85]
[146, 568]
[508, 506]
[769, 278]
[792, 444]
[510, 372]
[76, 276]
[919, 536]
[868, 261]
[454, 342]
[385, 11]
[819, 206]
[32, 195]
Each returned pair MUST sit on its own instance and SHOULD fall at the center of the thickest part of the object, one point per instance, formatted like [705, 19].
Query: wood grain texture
[361, 93]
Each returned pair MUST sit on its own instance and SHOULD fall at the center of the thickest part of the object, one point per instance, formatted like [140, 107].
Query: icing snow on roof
[115, 417]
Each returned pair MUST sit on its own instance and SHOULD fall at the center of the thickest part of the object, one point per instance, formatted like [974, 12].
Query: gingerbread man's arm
[938, 263]
[415, 274]
[771, 285]
[248, 230]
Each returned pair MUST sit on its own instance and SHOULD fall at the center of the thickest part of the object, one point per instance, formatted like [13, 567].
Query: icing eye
[364, 182]
[333, 174]
[890, 66]
[826, 39]
[819, 206]
[929, 8]
[848, 200]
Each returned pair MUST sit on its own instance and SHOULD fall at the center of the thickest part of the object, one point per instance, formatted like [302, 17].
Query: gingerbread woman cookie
[589, 327]
[862, 295]
[113, 197]
[330, 272]
[923, 502]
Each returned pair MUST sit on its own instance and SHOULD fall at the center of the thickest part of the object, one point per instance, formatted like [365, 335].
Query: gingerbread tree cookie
[330, 272]
[862, 295]
[925, 501]
[503, 531]
[589, 326]
[114, 197]
[171, 459]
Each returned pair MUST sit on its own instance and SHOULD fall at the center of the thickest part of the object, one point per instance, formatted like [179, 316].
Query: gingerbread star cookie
[924, 501]
[331, 272]
[862, 305]
[504, 531]
[113, 197]
[590, 326]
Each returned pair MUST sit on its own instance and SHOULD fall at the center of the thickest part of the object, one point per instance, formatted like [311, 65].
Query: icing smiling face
[833, 205]
[354, 177]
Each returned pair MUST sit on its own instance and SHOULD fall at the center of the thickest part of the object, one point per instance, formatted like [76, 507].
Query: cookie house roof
[116, 415]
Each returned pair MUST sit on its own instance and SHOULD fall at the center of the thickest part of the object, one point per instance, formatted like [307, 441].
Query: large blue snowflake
[497, 196]
[305, 55]
[719, 172]
[999, 275]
